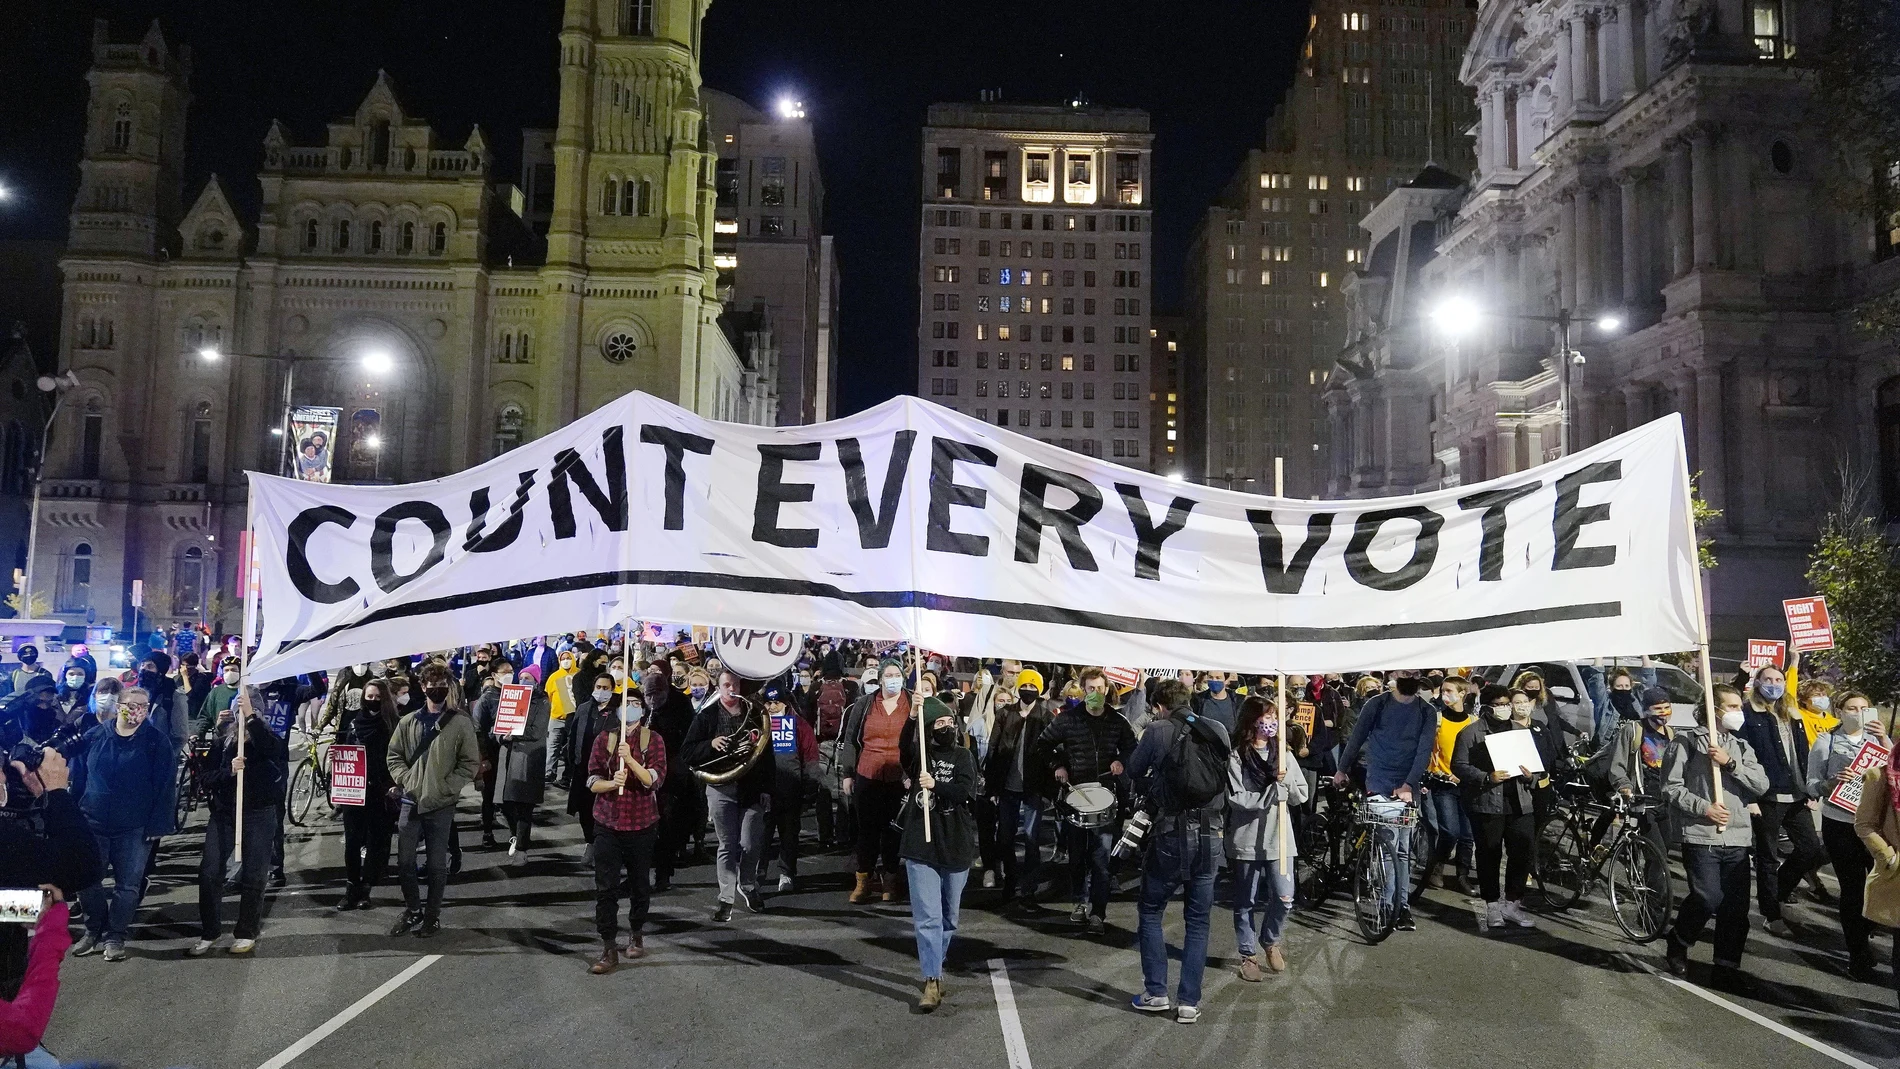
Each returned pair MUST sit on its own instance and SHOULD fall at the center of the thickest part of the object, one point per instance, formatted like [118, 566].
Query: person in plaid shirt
[624, 771]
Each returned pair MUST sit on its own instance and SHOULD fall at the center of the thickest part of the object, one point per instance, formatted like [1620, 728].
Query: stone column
[1745, 251]
[1681, 214]
[1490, 114]
[1582, 74]
[1636, 27]
[1702, 180]
[1588, 254]
[1630, 182]
[1564, 82]
[1566, 255]
[1610, 209]
[1635, 404]
[1709, 454]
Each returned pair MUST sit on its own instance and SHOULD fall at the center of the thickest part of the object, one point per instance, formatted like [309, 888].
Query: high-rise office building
[1167, 414]
[1034, 271]
[1375, 98]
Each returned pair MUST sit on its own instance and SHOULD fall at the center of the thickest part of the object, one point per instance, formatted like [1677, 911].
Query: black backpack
[1196, 772]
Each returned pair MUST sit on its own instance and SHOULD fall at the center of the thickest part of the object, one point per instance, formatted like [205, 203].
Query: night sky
[1208, 70]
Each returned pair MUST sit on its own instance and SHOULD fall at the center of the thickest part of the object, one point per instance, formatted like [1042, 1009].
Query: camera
[1134, 830]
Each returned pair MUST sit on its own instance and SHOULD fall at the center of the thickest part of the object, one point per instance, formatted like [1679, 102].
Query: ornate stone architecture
[1655, 163]
[390, 275]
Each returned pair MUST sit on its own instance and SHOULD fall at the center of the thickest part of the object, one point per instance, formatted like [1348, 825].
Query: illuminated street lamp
[376, 362]
[1455, 314]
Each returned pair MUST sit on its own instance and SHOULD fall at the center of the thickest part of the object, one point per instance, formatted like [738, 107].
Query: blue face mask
[1771, 691]
[1215, 686]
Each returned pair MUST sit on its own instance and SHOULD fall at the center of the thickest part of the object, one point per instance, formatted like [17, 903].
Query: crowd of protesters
[944, 773]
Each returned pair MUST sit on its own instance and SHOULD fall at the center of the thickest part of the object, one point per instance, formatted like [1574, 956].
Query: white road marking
[322, 1032]
[1774, 1026]
[1013, 1041]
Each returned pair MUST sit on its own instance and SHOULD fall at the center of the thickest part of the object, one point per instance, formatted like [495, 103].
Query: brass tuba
[745, 744]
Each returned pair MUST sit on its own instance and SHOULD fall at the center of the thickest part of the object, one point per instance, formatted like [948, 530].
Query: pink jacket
[23, 1021]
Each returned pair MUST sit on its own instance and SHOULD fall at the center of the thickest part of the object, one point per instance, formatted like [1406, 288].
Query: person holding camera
[126, 777]
[46, 844]
[266, 760]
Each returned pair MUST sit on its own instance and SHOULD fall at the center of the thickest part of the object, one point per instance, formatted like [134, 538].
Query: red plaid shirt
[636, 808]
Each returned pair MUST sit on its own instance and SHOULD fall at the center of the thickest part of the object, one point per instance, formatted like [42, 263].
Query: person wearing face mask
[346, 695]
[737, 808]
[1017, 784]
[1716, 838]
[1829, 760]
[1631, 764]
[521, 759]
[626, 768]
[872, 777]
[194, 686]
[1877, 822]
[1263, 897]
[699, 688]
[30, 668]
[220, 699]
[265, 760]
[1444, 807]
[597, 712]
[433, 755]
[367, 828]
[481, 715]
[1089, 743]
[1772, 727]
[168, 709]
[682, 797]
[1218, 702]
[795, 755]
[941, 779]
[1501, 807]
[33, 713]
[75, 696]
[125, 777]
[559, 689]
[1396, 730]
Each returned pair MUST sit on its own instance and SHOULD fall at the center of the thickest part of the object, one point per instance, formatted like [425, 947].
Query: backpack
[1196, 770]
[831, 703]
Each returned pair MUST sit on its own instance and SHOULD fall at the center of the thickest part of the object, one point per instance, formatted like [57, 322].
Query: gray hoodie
[1253, 817]
[1687, 786]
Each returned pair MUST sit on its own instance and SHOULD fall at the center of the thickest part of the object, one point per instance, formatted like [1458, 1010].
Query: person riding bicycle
[1397, 731]
[1632, 762]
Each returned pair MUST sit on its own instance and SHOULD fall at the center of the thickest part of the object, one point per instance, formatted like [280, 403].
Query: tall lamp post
[377, 362]
[57, 385]
[1454, 315]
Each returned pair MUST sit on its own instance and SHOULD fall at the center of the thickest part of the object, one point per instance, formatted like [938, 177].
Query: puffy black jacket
[1085, 746]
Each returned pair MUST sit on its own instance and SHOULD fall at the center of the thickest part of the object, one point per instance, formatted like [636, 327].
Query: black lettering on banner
[1491, 546]
[1148, 535]
[1424, 547]
[610, 505]
[874, 528]
[1033, 514]
[946, 492]
[504, 536]
[1283, 576]
[297, 557]
[774, 491]
[382, 543]
[1568, 518]
[677, 444]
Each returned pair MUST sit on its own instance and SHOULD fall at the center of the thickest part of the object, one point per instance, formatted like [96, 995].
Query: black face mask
[943, 737]
[1407, 686]
[438, 695]
[1624, 702]
[1027, 695]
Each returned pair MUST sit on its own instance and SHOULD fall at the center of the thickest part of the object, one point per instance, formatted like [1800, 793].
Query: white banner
[911, 521]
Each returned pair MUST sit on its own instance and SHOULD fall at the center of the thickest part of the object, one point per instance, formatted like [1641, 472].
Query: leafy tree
[1703, 514]
[42, 605]
[1854, 75]
[1857, 569]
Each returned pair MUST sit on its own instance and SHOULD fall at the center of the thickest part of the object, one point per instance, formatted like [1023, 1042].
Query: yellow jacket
[1814, 723]
[560, 688]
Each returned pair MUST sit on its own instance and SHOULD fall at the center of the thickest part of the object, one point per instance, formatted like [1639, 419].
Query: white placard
[914, 522]
[1513, 750]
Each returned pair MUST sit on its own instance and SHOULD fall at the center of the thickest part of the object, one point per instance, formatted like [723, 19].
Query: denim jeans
[124, 854]
[936, 896]
[1181, 853]
[220, 833]
[1718, 887]
[1088, 865]
[1262, 899]
[557, 748]
[435, 829]
[1016, 810]
[1451, 827]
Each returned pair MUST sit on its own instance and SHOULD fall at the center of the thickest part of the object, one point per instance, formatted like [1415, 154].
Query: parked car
[1573, 701]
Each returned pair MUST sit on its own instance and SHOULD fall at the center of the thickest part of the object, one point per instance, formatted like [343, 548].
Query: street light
[377, 362]
[1455, 313]
[57, 385]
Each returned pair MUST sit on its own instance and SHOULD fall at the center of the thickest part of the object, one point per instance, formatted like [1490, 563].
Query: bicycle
[1377, 824]
[192, 791]
[1633, 868]
[1323, 864]
[310, 780]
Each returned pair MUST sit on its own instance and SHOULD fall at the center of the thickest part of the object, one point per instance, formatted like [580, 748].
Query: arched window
[511, 427]
[92, 439]
[188, 584]
[122, 129]
[342, 243]
[629, 195]
[79, 579]
[1887, 430]
[194, 335]
[408, 237]
[379, 143]
[610, 197]
[521, 350]
[376, 235]
[439, 239]
[507, 348]
[636, 18]
[200, 453]
[105, 333]
[310, 233]
[646, 197]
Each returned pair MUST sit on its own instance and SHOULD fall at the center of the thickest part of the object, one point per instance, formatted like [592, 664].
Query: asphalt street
[814, 981]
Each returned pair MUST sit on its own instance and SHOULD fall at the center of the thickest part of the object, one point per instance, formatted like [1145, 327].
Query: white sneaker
[1514, 912]
[1492, 917]
[1187, 1014]
[784, 885]
[200, 948]
[513, 845]
[1151, 1003]
[243, 946]
[989, 879]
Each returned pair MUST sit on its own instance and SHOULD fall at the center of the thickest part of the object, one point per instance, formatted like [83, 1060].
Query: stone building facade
[1035, 271]
[1655, 163]
[389, 274]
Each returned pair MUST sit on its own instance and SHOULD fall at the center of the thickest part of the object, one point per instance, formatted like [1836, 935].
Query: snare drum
[1090, 805]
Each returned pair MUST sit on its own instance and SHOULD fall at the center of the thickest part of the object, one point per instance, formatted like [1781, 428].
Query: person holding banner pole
[626, 766]
[1709, 778]
[1259, 843]
[937, 855]
[1831, 765]
[245, 744]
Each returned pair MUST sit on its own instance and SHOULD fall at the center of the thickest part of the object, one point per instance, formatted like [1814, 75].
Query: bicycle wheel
[1370, 869]
[186, 799]
[1424, 842]
[1639, 888]
[303, 793]
[1562, 864]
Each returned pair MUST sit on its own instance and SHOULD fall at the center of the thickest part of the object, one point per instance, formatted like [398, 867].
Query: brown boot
[1250, 969]
[862, 893]
[932, 996]
[607, 961]
[1276, 958]
[889, 887]
[636, 947]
